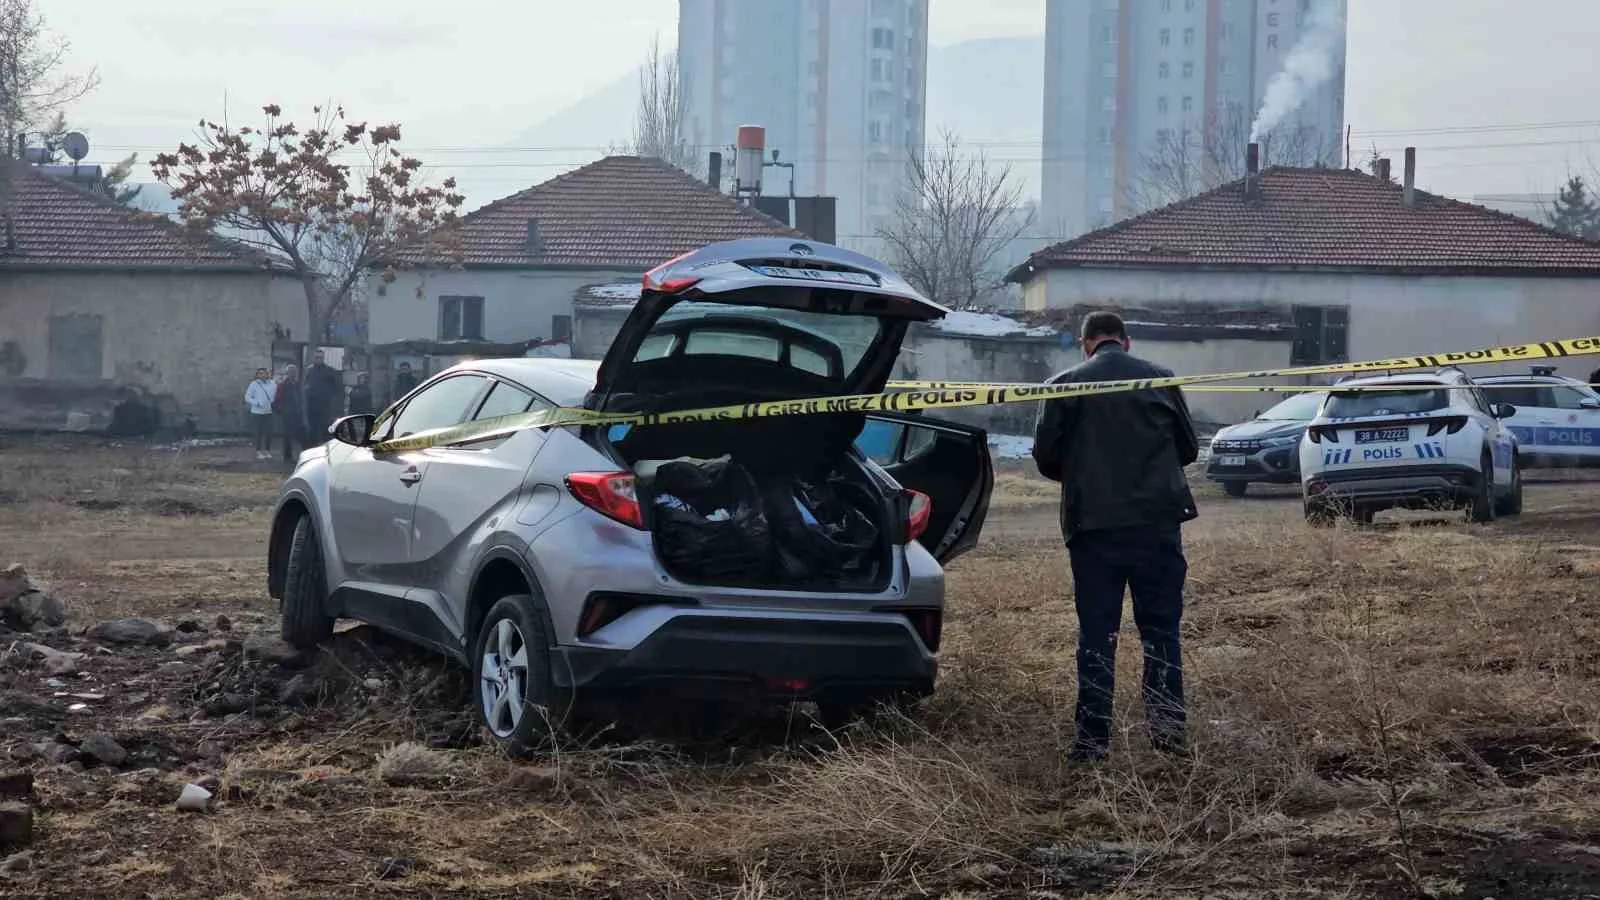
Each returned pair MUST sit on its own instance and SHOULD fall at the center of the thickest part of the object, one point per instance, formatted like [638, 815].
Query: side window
[918, 442]
[1519, 397]
[440, 406]
[880, 441]
[656, 346]
[1568, 398]
[503, 400]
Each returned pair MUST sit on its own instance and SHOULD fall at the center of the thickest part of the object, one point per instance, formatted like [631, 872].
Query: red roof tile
[623, 212]
[57, 225]
[1325, 219]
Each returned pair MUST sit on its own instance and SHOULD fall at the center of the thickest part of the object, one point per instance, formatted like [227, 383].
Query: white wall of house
[195, 337]
[518, 304]
[1389, 315]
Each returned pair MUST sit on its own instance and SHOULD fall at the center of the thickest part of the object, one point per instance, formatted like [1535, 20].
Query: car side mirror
[1504, 410]
[353, 430]
[1589, 403]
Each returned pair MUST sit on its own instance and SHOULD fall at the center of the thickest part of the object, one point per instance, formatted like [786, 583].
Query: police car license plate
[1230, 460]
[817, 275]
[1381, 435]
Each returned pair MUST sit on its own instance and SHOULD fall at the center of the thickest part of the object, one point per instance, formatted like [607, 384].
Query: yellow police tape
[955, 395]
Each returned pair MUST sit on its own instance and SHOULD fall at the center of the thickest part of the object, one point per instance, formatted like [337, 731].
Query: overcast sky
[474, 73]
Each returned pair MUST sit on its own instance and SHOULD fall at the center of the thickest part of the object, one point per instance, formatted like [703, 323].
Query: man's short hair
[1103, 324]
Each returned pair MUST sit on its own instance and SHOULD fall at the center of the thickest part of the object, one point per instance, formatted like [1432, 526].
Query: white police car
[1558, 418]
[1436, 442]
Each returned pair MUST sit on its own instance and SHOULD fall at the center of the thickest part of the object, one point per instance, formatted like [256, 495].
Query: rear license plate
[817, 275]
[1381, 435]
[1230, 460]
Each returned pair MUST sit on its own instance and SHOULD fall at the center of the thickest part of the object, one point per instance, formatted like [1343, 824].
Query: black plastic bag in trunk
[708, 521]
[819, 530]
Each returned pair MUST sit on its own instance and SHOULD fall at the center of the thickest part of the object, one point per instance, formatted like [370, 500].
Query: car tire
[1481, 509]
[306, 622]
[1235, 488]
[1321, 515]
[1511, 503]
[515, 697]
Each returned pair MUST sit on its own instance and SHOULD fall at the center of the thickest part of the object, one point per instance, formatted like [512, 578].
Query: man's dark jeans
[262, 426]
[1148, 560]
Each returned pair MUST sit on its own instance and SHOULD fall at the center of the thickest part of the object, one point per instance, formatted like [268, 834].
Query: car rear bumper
[1413, 487]
[806, 657]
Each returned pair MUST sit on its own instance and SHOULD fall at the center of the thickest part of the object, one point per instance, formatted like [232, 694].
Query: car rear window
[802, 340]
[1358, 404]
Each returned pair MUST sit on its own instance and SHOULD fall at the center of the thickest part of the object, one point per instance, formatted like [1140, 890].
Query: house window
[1272, 20]
[77, 347]
[560, 328]
[460, 318]
[1166, 37]
[1188, 104]
[1161, 104]
[1166, 5]
[1272, 41]
[1163, 70]
[882, 39]
[1321, 335]
[1188, 37]
[1188, 70]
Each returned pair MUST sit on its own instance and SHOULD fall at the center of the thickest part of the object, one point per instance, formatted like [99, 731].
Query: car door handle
[411, 476]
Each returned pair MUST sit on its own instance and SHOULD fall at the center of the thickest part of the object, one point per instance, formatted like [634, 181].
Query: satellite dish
[76, 145]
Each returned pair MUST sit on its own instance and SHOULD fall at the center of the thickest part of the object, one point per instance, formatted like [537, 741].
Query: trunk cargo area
[748, 504]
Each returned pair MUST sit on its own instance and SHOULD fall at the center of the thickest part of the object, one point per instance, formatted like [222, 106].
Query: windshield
[1369, 402]
[1299, 408]
[819, 343]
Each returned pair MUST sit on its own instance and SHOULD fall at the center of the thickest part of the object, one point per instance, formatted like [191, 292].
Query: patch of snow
[626, 290]
[1010, 446]
[988, 325]
[550, 351]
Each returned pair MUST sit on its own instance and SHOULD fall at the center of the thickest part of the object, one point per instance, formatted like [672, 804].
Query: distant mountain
[990, 91]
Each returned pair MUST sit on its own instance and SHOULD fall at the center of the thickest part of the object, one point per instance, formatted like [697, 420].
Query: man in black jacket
[1119, 458]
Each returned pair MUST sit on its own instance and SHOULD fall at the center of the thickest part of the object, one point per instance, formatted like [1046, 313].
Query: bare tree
[953, 220]
[33, 86]
[1192, 159]
[658, 127]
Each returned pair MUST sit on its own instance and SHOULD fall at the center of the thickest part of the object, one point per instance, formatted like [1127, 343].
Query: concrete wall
[932, 355]
[1389, 315]
[517, 304]
[194, 337]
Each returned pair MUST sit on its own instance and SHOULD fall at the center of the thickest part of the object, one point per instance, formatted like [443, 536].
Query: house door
[75, 347]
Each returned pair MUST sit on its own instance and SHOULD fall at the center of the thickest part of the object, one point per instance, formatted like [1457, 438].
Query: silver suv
[778, 558]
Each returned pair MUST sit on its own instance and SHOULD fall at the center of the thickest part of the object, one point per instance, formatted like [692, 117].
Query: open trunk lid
[754, 321]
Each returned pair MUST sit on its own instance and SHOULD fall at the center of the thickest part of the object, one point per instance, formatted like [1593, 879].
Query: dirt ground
[1400, 711]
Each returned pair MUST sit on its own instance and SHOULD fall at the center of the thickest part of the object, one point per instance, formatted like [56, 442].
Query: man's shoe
[1170, 744]
[1085, 754]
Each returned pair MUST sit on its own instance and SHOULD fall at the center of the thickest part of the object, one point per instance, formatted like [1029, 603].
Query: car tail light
[921, 507]
[653, 279]
[1317, 432]
[610, 494]
[1449, 425]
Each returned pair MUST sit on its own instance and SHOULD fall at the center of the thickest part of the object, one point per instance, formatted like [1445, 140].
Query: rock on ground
[104, 748]
[55, 662]
[16, 785]
[16, 825]
[25, 606]
[131, 631]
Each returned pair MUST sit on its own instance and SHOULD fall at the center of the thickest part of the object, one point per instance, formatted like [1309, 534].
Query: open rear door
[948, 462]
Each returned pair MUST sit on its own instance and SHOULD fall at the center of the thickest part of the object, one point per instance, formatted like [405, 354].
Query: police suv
[1419, 440]
[1558, 418]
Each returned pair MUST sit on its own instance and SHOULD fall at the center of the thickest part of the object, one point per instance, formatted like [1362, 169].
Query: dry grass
[1384, 712]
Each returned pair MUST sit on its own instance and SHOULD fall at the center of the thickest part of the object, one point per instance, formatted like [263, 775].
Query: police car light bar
[1543, 370]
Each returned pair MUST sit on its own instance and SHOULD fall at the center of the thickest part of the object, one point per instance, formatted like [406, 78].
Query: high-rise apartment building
[1147, 101]
[839, 85]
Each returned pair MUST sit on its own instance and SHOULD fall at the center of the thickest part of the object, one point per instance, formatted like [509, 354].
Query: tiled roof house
[518, 261]
[1365, 267]
[97, 299]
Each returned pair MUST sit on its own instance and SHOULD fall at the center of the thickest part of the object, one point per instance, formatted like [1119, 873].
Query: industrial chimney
[751, 145]
[1252, 172]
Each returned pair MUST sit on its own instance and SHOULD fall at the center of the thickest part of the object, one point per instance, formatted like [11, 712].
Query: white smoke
[1311, 62]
